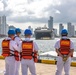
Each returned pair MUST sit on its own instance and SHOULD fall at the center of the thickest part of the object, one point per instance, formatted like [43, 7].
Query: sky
[22, 13]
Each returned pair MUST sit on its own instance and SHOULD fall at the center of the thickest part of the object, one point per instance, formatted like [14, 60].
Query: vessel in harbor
[43, 33]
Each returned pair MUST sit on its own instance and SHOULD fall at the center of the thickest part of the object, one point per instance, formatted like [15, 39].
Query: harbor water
[47, 46]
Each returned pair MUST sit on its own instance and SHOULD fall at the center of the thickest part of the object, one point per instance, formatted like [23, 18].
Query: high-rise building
[60, 28]
[3, 25]
[0, 25]
[71, 30]
[22, 32]
[12, 27]
[29, 27]
[3, 20]
[55, 32]
[75, 32]
[0, 20]
[7, 28]
[50, 23]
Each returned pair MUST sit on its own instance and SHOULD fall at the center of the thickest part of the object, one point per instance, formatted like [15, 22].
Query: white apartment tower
[50, 23]
[71, 30]
[0, 25]
[60, 28]
[29, 27]
[3, 25]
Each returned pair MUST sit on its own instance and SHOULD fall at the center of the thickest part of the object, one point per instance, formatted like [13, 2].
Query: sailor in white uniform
[10, 60]
[28, 63]
[18, 40]
[62, 60]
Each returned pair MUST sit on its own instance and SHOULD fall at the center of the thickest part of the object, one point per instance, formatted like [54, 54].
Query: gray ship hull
[43, 34]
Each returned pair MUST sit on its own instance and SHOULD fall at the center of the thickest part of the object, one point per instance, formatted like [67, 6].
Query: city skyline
[70, 27]
[23, 13]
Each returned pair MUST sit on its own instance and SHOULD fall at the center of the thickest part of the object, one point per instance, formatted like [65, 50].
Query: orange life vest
[6, 50]
[65, 46]
[27, 50]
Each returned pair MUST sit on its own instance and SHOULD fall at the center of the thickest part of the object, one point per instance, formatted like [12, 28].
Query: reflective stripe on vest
[64, 46]
[27, 49]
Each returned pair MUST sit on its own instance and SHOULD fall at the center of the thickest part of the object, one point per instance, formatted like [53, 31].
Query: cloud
[1, 6]
[4, 3]
[30, 1]
[38, 11]
[26, 19]
[8, 13]
[67, 11]
[35, 10]
[4, 11]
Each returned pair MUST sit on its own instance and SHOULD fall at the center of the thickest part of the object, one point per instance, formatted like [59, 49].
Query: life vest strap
[27, 54]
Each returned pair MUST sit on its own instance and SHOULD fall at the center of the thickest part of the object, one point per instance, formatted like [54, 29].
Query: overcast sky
[37, 12]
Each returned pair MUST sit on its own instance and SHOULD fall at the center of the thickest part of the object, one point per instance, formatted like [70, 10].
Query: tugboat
[43, 33]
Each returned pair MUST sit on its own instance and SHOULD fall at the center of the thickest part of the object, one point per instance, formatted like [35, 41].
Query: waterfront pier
[41, 69]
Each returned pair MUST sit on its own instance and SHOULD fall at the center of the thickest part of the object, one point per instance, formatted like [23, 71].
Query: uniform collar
[16, 36]
[27, 39]
[64, 37]
[8, 38]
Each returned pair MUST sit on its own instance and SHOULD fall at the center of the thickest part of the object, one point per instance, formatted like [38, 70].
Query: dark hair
[27, 35]
[64, 34]
[17, 32]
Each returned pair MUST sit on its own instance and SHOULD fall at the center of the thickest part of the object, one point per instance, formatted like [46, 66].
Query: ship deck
[41, 69]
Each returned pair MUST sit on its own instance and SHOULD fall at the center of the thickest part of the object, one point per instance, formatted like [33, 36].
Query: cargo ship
[43, 34]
